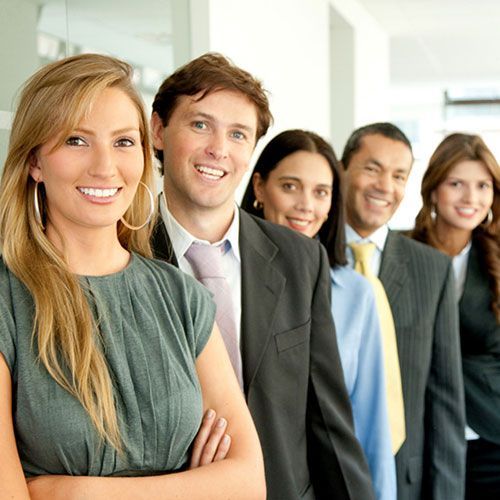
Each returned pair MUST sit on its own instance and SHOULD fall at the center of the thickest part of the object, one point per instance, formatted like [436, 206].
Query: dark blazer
[480, 335]
[293, 378]
[419, 283]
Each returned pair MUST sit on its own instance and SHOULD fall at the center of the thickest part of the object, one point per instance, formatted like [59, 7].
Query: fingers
[223, 448]
[211, 443]
[214, 440]
[201, 438]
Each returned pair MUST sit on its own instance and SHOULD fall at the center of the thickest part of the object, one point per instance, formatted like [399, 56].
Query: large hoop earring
[151, 210]
[258, 205]
[489, 219]
[38, 215]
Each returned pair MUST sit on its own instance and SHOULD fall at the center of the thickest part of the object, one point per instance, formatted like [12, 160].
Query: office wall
[361, 77]
[285, 43]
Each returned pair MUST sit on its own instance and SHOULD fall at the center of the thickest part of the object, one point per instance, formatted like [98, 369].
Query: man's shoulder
[280, 235]
[417, 250]
[293, 253]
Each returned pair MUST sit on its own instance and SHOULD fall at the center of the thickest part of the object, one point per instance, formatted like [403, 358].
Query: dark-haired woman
[296, 183]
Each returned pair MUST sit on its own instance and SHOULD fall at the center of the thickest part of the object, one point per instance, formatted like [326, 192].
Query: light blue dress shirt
[360, 345]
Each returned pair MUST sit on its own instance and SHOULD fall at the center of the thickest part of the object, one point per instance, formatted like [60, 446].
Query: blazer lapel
[393, 270]
[160, 241]
[261, 287]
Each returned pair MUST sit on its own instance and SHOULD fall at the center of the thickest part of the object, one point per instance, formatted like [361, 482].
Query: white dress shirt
[231, 260]
[460, 269]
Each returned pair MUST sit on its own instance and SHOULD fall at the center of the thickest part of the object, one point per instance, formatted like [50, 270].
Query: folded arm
[240, 475]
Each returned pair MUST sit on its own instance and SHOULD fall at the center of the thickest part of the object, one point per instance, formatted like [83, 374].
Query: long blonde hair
[454, 149]
[53, 102]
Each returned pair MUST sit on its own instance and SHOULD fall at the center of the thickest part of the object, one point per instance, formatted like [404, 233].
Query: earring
[489, 219]
[433, 213]
[258, 205]
[151, 210]
[38, 215]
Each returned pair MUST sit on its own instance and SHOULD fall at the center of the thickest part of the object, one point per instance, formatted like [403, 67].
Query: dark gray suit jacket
[480, 334]
[419, 283]
[293, 378]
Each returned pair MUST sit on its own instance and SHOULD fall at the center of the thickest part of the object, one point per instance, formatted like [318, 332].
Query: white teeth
[378, 202]
[466, 211]
[98, 193]
[298, 222]
[214, 173]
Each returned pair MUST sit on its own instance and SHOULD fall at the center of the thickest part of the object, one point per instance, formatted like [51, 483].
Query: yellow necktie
[395, 405]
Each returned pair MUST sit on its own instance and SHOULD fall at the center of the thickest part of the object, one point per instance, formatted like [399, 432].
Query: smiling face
[375, 181]
[297, 192]
[91, 178]
[207, 145]
[463, 199]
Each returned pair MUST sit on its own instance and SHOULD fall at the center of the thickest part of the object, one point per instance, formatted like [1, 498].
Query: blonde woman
[461, 217]
[107, 358]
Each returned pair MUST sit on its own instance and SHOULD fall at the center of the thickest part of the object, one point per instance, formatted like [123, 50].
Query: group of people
[182, 346]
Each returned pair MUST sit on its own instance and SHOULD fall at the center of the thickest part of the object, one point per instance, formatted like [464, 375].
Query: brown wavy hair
[53, 102]
[453, 149]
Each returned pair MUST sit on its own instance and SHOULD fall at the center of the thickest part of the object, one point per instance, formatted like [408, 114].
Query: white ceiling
[440, 40]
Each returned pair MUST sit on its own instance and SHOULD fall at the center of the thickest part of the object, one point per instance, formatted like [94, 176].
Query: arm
[240, 475]
[336, 462]
[12, 482]
[369, 403]
[444, 470]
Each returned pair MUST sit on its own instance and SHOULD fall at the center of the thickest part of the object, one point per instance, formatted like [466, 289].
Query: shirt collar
[182, 239]
[465, 251]
[379, 237]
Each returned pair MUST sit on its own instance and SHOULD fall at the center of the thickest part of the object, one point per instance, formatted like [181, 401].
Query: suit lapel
[261, 287]
[160, 241]
[393, 268]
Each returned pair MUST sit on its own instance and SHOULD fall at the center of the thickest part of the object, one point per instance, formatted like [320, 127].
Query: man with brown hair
[207, 118]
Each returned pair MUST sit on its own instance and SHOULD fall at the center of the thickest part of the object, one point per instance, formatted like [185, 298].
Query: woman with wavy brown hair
[461, 217]
[106, 356]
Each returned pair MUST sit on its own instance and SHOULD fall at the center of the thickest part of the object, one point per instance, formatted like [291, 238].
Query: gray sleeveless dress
[154, 322]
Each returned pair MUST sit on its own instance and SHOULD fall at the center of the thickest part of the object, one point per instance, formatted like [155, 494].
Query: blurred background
[430, 66]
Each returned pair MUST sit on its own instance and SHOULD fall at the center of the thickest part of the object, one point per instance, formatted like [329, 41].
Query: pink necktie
[206, 261]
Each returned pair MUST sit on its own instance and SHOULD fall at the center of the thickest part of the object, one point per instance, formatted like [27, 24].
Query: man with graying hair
[271, 285]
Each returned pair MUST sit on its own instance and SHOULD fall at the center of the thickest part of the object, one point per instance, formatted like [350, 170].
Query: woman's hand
[211, 443]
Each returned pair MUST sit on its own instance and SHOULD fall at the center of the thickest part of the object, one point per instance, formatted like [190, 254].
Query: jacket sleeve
[444, 468]
[336, 461]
